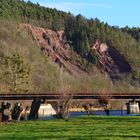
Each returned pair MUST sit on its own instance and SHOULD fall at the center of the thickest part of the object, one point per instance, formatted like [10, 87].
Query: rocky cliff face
[111, 61]
[56, 47]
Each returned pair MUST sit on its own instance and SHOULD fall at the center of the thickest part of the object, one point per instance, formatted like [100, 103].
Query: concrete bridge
[15, 110]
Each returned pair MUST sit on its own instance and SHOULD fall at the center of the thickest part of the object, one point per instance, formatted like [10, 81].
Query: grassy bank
[84, 128]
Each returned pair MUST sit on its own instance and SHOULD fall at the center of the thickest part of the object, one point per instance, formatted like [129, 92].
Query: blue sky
[114, 12]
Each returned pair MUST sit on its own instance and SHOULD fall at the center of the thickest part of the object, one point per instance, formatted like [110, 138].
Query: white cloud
[69, 6]
[102, 6]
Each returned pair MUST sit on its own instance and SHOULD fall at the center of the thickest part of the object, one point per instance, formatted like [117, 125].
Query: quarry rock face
[54, 44]
[111, 61]
[100, 47]
[103, 47]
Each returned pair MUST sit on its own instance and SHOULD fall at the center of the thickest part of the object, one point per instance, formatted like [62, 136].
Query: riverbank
[82, 128]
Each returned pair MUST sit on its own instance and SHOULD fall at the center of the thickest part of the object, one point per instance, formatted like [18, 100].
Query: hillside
[45, 75]
[55, 46]
[60, 51]
[134, 32]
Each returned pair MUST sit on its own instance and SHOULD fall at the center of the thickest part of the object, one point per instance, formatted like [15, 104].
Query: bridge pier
[34, 109]
[133, 107]
[13, 111]
[0, 112]
[6, 111]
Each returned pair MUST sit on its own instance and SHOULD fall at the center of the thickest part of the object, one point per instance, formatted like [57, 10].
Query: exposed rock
[103, 48]
[54, 44]
[120, 61]
[100, 47]
[111, 61]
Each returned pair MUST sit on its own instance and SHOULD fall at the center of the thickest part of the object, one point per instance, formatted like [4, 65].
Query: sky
[114, 12]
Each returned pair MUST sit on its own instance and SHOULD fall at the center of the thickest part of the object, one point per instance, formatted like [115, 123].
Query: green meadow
[82, 128]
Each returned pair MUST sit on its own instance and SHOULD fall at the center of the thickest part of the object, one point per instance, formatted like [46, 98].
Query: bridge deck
[55, 96]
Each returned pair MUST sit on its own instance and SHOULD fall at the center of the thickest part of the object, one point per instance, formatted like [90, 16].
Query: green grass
[84, 128]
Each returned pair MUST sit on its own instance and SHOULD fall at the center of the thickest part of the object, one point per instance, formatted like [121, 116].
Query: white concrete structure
[133, 108]
[46, 110]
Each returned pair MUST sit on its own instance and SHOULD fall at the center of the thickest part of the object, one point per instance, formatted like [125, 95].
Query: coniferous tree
[17, 72]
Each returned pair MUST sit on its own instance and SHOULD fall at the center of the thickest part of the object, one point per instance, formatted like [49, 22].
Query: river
[102, 113]
[95, 113]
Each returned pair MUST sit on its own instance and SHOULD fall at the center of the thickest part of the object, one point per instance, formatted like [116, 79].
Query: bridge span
[55, 96]
[15, 104]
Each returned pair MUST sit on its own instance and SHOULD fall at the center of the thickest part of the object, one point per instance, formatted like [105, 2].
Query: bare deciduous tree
[64, 103]
[88, 108]
[104, 98]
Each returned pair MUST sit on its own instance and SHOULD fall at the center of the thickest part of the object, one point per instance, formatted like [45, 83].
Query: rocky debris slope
[111, 61]
[54, 44]
[56, 47]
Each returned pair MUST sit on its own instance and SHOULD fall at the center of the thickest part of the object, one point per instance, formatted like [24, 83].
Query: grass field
[84, 128]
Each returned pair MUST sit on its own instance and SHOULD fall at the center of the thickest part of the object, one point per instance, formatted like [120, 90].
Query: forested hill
[81, 34]
[33, 13]
[134, 32]
[80, 31]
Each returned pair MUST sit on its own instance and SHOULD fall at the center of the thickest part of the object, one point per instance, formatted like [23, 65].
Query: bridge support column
[16, 112]
[0, 112]
[34, 109]
[6, 111]
[133, 107]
